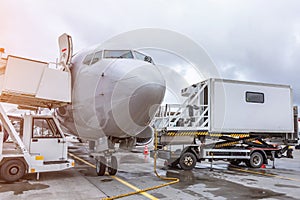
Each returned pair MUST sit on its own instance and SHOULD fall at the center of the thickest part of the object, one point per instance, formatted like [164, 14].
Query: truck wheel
[12, 170]
[187, 161]
[113, 167]
[256, 160]
[247, 162]
[101, 166]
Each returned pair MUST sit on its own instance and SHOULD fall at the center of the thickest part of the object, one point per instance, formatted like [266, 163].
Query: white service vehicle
[242, 120]
[40, 145]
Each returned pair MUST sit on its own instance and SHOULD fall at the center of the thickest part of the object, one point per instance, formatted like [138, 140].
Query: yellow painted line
[85, 162]
[265, 174]
[135, 188]
[117, 178]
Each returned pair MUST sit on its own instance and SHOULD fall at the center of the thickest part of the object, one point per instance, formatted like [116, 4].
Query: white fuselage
[115, 97]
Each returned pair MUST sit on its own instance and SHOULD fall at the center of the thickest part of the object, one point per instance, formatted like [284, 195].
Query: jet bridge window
[118, 54]
[255, 97]
[45, 128]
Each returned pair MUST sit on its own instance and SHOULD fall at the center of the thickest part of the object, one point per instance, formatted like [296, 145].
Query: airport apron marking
[117, 179]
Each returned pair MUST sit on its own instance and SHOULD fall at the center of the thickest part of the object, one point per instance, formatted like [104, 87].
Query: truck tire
[187, 161]
[12, 170]
[113, 167]
[256, 160]
[101, 166]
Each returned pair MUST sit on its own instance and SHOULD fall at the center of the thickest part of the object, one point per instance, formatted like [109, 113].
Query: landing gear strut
[111, 164]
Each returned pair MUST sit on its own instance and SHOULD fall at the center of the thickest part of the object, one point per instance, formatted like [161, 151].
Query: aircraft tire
[113, 167]
[101, 166]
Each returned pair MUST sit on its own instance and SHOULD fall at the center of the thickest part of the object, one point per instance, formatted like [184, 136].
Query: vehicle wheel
[12, 170]
[187, 161]
[247, 162]
[113, 167]
[101, 166]
[235, 162]
[256, 160]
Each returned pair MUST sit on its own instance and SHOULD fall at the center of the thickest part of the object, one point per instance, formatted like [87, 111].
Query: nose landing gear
[111, 164]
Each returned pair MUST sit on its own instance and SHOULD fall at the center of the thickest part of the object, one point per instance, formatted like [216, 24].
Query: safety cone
[146, 151]
[263, 166]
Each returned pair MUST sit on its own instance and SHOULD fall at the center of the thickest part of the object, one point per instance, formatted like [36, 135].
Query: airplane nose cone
[144, 103]
[137, 96]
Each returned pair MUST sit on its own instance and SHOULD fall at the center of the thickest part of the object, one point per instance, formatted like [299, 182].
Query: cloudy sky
[247, 40]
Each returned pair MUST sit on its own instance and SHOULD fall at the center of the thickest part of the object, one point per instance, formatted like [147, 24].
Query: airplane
[115, 94]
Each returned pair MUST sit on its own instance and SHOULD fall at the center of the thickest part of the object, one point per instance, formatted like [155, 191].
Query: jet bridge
[33, 83]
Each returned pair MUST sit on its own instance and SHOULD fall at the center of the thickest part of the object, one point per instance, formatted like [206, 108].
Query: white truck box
[243, 107]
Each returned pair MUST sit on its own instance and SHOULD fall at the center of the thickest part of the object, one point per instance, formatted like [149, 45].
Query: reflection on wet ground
[223, 182]
[20, 187]
[205, 182]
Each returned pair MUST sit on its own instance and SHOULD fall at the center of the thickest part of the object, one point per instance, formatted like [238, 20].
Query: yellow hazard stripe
[186, 133]
[239, 135]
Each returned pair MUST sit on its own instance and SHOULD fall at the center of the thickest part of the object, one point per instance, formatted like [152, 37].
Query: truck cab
[42, 136]
[39, 146]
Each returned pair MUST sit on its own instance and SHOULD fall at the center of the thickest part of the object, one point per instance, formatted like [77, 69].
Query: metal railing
[193, 112]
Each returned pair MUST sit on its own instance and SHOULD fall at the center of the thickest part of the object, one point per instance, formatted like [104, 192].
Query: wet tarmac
[136, 172]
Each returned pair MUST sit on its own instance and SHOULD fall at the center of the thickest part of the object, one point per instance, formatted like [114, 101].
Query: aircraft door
[65, 49]
[47, 140]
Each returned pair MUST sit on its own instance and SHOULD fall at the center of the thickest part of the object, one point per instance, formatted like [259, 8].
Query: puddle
[106, 180]
[19, 187]
[218, 187]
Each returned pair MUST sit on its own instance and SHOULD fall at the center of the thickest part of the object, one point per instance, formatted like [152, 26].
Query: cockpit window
[97, 57]
[88, 59]
[143, 57]
[139, 55]
[118, 54]
[91, 59]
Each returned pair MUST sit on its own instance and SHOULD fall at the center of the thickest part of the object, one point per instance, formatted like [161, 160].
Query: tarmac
[224, 181]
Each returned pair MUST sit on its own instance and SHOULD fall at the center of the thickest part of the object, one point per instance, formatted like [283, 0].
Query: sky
[251, 40]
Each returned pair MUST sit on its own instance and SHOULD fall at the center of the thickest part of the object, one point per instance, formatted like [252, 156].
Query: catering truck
[228, 120]
[37, 141]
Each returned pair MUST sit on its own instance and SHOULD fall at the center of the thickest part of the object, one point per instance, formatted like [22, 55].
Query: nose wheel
[102, 163]
[113, 167]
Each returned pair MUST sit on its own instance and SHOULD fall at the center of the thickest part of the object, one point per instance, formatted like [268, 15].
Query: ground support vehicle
[228, 120]
[39, 145]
